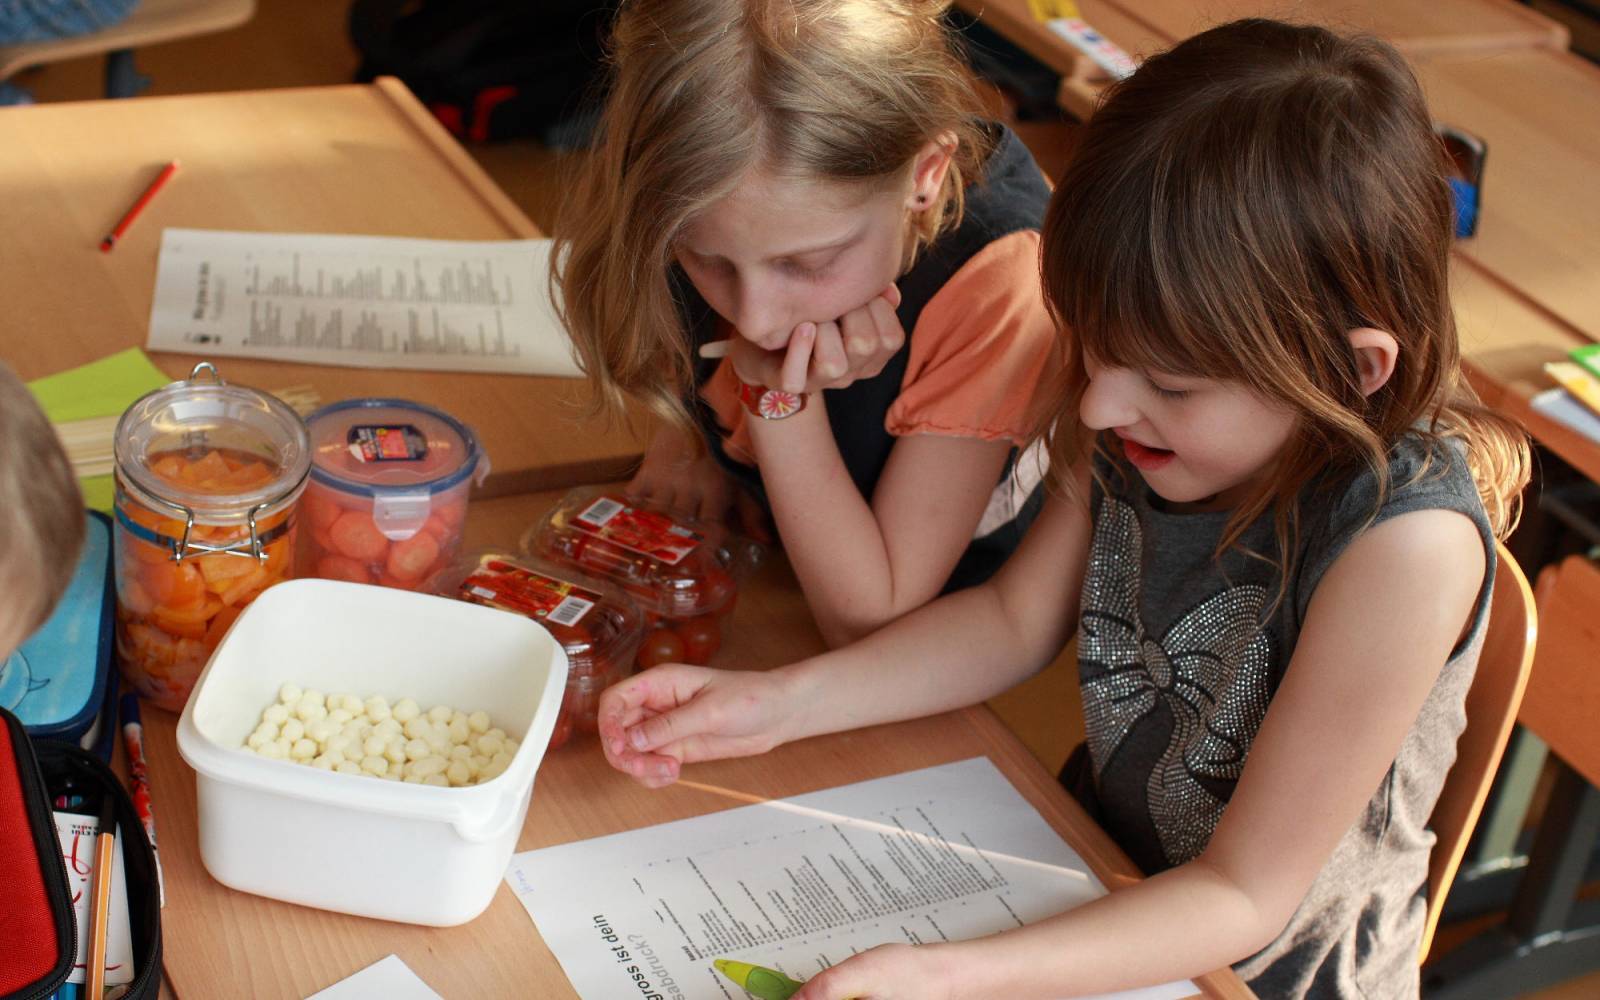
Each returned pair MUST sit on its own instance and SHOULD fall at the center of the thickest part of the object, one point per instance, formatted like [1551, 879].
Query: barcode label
[570, 611]
[601, 511]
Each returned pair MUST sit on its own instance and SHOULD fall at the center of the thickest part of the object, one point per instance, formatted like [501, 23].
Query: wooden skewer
[88, 442]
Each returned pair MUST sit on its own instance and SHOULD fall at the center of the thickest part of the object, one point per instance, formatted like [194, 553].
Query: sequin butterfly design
[1202, 687]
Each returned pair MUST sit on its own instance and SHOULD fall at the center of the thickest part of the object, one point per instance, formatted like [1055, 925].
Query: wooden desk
[1539, 230]
[1081, 80]
[1143, 27]
[1414, 26]
[214, 935]
[356, 159]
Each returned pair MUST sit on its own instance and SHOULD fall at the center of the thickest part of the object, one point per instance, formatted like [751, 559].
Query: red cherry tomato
[660, 645]
[717, 591]
[563, 730]
[702, 637]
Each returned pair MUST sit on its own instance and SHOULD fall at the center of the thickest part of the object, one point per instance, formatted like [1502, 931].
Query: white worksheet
[387, 979]
[945, 853]
[363, 301]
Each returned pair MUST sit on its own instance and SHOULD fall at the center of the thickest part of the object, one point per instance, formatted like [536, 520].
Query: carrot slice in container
[342, 568]
[320, 508]
[245, 587]
[173, 584]
[354, 535]
[221, 570]
[206, 470]
[409, 559]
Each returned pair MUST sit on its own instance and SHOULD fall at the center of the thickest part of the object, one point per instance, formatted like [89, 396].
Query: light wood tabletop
[1143, 27]
[214, 935]
[1413, 26]
[352, 159]
[1539, 227]
[1081, 80]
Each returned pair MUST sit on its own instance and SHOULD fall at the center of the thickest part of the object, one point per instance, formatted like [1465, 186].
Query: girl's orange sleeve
[981, 348]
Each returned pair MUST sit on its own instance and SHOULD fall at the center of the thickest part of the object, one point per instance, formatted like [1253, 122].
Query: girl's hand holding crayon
[827, 355]
[653, 723]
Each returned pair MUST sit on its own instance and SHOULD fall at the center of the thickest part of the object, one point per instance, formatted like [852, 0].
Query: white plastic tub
[355, 843]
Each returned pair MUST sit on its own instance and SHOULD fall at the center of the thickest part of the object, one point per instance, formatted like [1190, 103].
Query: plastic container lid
[208, 413]
[379, 447]
[594, 621]
[673, 567]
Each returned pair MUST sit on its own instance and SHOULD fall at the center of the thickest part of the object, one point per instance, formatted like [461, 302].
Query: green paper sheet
[101, 388]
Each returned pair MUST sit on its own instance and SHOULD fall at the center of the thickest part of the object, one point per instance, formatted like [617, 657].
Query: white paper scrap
[77, 836]
[945, 853]
[361, 301]
[387, 979]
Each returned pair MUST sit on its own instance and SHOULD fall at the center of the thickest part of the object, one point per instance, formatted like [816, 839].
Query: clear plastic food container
[207, 475]
[683, 573]
[388, 491]
[597, 624]
[351, 842]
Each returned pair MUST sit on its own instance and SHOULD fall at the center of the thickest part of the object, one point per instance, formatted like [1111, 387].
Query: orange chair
[1549, 934]
[1497, 691]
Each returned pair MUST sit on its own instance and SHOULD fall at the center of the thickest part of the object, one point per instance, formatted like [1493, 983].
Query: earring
[922, 201]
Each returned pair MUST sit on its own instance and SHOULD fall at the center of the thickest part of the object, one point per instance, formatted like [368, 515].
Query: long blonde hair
[701, 92]
[1230, 212]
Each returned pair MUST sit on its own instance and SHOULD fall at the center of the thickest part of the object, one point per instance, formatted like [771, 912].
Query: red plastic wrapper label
[643, 531]
[375, 443]
[513, 588]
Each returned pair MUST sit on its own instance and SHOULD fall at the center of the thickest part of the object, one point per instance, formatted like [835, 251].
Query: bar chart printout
[945, 853]
[366, 301]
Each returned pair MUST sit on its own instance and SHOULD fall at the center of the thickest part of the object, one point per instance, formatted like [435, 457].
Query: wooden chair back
[1492, 702]
[1562, 705]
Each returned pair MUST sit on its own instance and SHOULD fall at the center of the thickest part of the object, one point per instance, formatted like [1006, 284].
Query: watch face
[775, 404]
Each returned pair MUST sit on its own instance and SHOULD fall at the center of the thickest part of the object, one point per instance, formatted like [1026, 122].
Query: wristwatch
[770, 404]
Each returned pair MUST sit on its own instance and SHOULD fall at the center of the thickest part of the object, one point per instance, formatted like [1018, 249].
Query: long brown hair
[703, 91]
[41, 514]
[1231, 211]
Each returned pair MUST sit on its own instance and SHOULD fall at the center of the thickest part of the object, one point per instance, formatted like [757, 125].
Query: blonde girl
[799, 243]
[1273, 536]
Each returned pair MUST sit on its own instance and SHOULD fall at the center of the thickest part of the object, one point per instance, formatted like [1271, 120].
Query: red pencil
[138, 206]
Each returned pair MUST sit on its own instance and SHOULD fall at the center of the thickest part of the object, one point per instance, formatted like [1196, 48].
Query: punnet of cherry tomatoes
[596, 623]
[387, 497]
[683, 573]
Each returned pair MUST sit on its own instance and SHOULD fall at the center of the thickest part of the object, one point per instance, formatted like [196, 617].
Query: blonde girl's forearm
[862, 565]
[959, 650]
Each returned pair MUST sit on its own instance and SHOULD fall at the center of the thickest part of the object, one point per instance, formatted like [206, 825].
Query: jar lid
[239, 448]
[370, 447]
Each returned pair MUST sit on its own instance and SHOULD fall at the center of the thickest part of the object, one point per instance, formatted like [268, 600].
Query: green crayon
[766, 984]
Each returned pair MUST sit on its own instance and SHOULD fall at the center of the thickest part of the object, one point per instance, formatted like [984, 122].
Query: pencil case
[41, 940]
[59, 681]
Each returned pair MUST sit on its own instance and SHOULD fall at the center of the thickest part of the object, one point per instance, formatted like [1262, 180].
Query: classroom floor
[293, 43]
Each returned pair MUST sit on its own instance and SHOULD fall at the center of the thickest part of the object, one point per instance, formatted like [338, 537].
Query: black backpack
[492, 69]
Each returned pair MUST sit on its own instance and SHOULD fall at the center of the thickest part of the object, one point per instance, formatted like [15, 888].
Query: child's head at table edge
[1264, 207]
[787, 157]
[41, 514]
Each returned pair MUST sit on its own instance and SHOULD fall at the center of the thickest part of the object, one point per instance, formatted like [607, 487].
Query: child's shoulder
[1011, 194]
[1423, 472]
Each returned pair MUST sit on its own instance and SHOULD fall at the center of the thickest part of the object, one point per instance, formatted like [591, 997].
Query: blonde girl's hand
[679, 476]
[655, 722]
[829, 355]
[887, 972]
